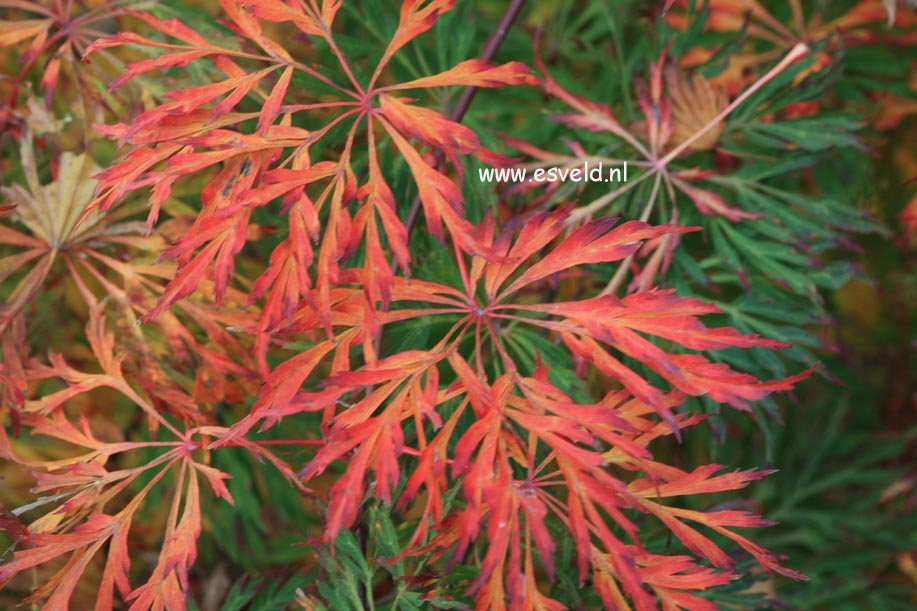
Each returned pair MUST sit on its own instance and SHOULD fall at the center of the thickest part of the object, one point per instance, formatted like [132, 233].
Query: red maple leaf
[527, 450]
[201, 127]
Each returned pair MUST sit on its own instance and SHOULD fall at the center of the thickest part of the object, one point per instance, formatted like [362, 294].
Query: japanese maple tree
[291, 319]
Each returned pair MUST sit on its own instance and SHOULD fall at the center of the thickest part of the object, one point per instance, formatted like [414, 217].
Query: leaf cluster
[261, 319]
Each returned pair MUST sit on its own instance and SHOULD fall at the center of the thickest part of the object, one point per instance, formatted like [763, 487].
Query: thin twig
[464, 102]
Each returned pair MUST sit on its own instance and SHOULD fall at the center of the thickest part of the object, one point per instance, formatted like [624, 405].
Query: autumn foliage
[246, 255]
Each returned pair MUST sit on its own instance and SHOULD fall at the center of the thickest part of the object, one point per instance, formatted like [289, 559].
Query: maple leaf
[670, 577]
[88, 487]
[86, 515]
[44, 227]
[79, 527]
[855, 26]
[394, 406]
[102, 343]
[50, 212]
[694, 103]
[657, 106]
[13, 380]
[59, 33]
[192, 132]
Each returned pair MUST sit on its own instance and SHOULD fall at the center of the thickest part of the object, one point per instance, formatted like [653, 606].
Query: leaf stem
[796, 53]
[618, 278]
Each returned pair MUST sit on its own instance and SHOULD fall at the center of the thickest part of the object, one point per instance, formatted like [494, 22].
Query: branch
[458, 113]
